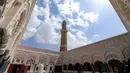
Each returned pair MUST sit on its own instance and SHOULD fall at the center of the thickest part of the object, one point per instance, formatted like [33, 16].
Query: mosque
[106, 56]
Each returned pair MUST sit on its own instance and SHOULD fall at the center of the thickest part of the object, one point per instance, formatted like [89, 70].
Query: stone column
[110, 68]
[106, 67]
[92, 68]
[32, 68]
[40, 68]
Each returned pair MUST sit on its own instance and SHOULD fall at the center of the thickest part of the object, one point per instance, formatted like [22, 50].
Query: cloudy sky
[88, 21]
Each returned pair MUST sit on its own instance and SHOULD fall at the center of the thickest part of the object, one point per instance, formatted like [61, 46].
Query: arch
[19, 23]
[32, 59]
[70, 67]
[21, 56]
[43, 59]
[77, 60]
[126, 52]
[96, 57]
[85, 58]
[52, 60]
[116, 63]
[109, 55]
[17, 39]
[65, 61]
[68, 60]
[99, 66]
[87, 67]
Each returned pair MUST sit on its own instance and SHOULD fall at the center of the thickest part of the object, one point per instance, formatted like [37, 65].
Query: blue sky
[88, 21]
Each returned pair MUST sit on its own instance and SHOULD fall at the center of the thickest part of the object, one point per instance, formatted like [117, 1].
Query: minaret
[63, 46]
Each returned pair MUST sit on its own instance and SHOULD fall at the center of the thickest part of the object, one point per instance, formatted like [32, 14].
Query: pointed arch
[96, 57]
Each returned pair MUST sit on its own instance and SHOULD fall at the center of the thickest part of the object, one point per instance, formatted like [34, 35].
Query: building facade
[122, 7]
[38, 60]
[14, 17]
[102, 56]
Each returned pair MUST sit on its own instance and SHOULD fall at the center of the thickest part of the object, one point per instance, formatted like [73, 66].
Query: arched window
[19, 24]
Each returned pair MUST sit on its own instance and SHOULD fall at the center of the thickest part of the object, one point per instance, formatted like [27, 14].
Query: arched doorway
[87, 67]
[99, 66]
[70, 67]
[77, 67]
[116, 63]
[65, 67]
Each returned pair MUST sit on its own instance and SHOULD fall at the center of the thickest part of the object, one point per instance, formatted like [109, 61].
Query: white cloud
[91, 16]
[76, 41]
[78, 22]
[96, 35]
[68, 7]
[73, 30]
[33, 24]
[46, 31]
[46, 34]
